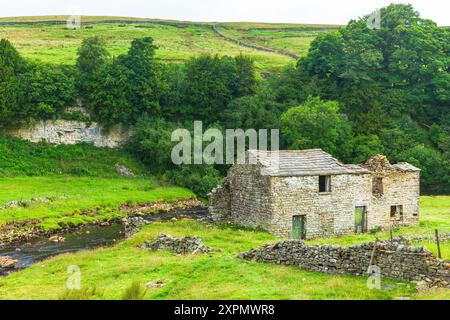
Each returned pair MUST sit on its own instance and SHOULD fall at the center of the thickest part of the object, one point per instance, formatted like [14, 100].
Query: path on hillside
[255, 47]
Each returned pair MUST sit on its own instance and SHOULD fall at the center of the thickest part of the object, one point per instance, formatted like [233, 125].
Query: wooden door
[299, 227]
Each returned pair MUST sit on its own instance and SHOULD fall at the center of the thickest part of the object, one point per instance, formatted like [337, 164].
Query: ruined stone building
[307, 193]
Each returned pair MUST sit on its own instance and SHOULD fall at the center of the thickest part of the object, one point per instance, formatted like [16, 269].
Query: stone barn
[308, 193]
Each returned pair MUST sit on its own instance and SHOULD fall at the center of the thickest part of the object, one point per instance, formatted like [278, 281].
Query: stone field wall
[395, 259]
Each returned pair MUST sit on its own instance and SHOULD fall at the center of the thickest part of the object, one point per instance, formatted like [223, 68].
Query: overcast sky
[300, 11]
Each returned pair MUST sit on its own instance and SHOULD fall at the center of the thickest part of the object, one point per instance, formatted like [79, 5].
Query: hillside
[47, 39]
[23, 158]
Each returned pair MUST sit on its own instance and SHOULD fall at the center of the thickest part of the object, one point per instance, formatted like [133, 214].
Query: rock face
[7, 262]
[395, 259]
[184, 245]
[72, 132]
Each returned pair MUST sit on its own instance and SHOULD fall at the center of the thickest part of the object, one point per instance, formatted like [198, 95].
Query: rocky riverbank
[23, 231]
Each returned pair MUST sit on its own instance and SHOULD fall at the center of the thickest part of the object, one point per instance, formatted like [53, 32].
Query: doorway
[360, 220]
[299, 227]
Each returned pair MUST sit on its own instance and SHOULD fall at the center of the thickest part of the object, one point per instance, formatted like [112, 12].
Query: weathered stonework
[183, 245]
[72, 132]
[393, 259]
[252, 198]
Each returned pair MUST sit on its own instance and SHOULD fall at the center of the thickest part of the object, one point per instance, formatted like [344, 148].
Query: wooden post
[372, 256]
[390, 232]
[436, 232]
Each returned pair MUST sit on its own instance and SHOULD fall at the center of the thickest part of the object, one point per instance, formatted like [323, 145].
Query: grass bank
[219, 275]
[23, 158]
[80, 195]
[106, 273]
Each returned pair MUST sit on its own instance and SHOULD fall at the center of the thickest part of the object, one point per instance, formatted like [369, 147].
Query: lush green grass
[434, 214]
[57, 44]
[108, 273]
[23, 158]
[83, 194]
[219, 275]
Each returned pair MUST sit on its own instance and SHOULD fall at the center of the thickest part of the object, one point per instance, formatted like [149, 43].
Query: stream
[88, 237]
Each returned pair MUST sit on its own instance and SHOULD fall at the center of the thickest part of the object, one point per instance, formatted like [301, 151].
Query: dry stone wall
[395, 259]
[73, 132]
[183, 245]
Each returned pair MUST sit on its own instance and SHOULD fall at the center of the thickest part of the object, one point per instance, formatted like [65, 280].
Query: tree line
[358, 92]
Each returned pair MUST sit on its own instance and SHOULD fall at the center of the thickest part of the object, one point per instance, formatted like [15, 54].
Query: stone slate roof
[310, 162]
[405, 166]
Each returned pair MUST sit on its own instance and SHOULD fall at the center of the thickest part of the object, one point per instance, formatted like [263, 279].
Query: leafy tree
[363, 147]
[151, 142]
[435, 176]
[124, 89]
[316, 124]
[92, 56]
[212, 82]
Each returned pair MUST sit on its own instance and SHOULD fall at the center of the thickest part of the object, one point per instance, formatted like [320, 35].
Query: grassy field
[108, 272]
[82, 194]
[56, 44]
[219, 275]
[23, 158]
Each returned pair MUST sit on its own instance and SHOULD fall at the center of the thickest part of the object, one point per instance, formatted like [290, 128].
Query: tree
[92, 56]
[213, 81]
[123, 90]
[435, 176]
[316, 124]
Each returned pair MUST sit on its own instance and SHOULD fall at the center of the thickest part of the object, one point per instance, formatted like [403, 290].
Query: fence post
[436, 232]
[390, 232]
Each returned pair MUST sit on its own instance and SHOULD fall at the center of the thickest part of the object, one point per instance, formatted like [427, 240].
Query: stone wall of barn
[327, 213]
[400, 188]
[395, 260]
[219, 202]
[250, 198]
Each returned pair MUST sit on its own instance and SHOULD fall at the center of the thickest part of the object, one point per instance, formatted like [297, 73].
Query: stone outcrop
[73, 132]
[124, 171]
[7, 262]
[183, 245]
[395, 259]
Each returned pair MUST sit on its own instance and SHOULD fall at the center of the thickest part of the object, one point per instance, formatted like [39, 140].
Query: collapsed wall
[395, 259]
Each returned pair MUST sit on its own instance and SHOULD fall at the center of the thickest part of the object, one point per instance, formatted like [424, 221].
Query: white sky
[299, 11]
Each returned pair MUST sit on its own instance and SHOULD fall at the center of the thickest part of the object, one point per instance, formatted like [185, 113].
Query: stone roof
[310, 162]
[405, 166]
